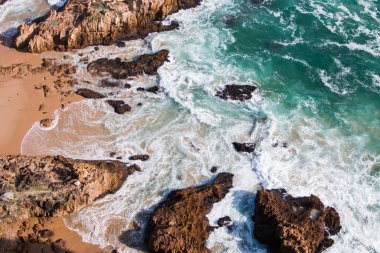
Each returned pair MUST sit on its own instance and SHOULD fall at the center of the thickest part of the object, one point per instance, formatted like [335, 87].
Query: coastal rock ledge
[54, 186]
[296, 225]
[83, 23]
[179, 223]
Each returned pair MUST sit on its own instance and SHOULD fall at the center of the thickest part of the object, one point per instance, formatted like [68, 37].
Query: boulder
[236, 92]
[139, 157]
[87, 93]
[298, 225]
[179, 223]
[244, 147]
[119, 106]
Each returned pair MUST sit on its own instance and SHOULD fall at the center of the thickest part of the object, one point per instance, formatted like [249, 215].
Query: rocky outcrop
[299, 225]
[179, 223]
[54, 186]
[82, 23]
[236, 92]
[146, 63]
[244, 147]
[87, 93]
[119, 106]
[139, 157]
[2, 1]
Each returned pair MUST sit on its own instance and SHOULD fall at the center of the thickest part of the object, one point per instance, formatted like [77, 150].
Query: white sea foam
[187, 130]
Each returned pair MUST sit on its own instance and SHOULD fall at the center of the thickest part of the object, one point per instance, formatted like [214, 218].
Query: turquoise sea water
[317, 68]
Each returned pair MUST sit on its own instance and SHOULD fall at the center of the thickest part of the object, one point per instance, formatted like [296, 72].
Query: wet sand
[21, 104]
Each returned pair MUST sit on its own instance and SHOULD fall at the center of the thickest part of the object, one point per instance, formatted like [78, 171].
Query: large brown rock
[294, 225]
[54, 186]
[82, 23]
[179, 223]
[146, 63]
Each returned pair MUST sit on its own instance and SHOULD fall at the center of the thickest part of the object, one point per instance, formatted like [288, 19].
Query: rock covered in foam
[82, 23]
[179, 223]
[54, 186]
[288, 224]
[146, 63]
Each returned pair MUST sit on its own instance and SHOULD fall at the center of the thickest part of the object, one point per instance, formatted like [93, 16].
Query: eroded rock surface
[236, 92]
[179, 223]
[54, 186]
[82, 23]
[146, 63]
[299, 225]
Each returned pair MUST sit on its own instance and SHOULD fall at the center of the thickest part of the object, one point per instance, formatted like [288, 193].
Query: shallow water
[318, 70]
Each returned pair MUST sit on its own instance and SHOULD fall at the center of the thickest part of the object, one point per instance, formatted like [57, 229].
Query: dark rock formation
[87, 93]
[153, 89]
[139, 157]
[2, 1]
[106, 83]
[83, 23]
[236, 92]
[146, 63]
[54, 186]
[119, 106]
[214, 169]
[244, 147]
[179, 223]
[225, 221]
[288, 224]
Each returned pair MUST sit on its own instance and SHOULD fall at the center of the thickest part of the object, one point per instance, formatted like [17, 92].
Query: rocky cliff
[82, 23]
[179, 223]
[54, 186]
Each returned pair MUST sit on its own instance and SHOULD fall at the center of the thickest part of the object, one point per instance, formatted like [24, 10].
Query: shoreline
[20, 109]
[21, 104]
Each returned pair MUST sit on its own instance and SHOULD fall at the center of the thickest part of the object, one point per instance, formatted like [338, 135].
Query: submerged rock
[119, 106]
[288, 224]
[244, 147]
[139, 157]
[55, 186]
[87, 93]
[179, 223]
[146, 63]
[83, 23]
[236, 92]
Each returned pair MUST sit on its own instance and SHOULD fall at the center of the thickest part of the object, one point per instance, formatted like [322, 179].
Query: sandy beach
[21, 104]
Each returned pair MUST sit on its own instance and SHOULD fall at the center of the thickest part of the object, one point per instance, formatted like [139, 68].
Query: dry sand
[20, 101]
[20, 108]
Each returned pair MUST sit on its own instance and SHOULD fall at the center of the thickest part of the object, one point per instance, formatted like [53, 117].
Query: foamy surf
[314, 119]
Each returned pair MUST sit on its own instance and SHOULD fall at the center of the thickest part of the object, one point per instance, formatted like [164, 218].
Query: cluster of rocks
[284, 223]
[83, 23]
